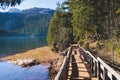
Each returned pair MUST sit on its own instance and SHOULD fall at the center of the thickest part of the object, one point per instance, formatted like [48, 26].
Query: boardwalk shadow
[78, 68]
[75, 72]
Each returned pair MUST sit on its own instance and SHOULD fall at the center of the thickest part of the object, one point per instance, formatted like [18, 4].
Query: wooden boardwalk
[78, 69]
[80, 64]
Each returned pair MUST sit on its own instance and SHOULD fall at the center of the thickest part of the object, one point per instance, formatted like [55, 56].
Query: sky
[36, 3]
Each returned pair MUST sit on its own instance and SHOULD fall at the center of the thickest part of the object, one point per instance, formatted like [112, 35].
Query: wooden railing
[63, 72]
[105, 72]
[90, 59]
[98, 67]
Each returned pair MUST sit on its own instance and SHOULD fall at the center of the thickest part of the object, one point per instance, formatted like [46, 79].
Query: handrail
[92, 56]
[88, 53]
[59, 75]
[106, 71]
[62, 74]
[98, 67]
[90, 59]
[69, 52]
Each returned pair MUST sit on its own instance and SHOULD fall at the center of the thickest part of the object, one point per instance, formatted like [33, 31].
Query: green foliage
[117, 49]
[86, 46]
[5, 3]
[81, 42]
[34, 24]
[98, 46]
[92, 18]
[89, 20]
[27, 24]
[60, 30]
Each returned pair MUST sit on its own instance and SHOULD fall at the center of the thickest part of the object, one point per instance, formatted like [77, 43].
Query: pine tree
[60, 30]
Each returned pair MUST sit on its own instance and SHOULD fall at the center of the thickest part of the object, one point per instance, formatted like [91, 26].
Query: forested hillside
[94, 24]
[33, 21]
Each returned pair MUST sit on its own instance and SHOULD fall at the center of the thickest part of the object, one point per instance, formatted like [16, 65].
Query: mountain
[32, 21]
[14, 10]
[32, 10]
[39, 10]
[8, 21]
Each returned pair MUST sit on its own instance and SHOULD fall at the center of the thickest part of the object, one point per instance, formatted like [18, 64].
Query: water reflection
[20, 44]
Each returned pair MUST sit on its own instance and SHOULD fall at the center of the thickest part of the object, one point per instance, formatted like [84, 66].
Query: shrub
[81, 42]
[98, 46]
[86, 46]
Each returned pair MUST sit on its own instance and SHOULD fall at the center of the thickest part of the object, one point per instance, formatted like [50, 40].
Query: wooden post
[113, 77]
[111, 73]
[98, 69]
[105, 74]
[66, 68]
[88, 60]
[95, 69]
[92, 64]
[87, 57]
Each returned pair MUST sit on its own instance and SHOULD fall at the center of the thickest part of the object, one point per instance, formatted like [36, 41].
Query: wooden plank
[78, 69]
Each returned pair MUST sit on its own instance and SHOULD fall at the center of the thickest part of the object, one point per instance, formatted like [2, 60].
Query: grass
[104, 49]
[39, 54]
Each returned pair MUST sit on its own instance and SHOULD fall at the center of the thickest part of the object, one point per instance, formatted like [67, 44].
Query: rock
[1, 60]
[45, 64]
[58, 65]
[24, 62]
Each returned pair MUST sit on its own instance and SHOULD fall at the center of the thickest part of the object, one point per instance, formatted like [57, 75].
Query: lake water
[20, 44]
[13, 72]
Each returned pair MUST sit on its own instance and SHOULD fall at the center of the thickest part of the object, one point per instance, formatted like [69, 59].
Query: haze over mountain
[32, 21]
[14, 10]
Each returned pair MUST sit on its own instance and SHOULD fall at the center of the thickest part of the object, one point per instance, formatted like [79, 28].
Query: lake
[13, 72]
[12, 45]
[20, 44]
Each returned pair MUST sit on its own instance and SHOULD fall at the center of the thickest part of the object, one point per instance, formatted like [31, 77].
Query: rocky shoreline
[43, 56]
[24, 62]
[56, 63]
[53, 64]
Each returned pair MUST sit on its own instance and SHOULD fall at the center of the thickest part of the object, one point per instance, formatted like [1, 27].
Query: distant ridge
[29, 21]
[33, 10]
[14, 10]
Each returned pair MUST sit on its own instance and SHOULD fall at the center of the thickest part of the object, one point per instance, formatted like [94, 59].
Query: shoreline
[43, 56]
